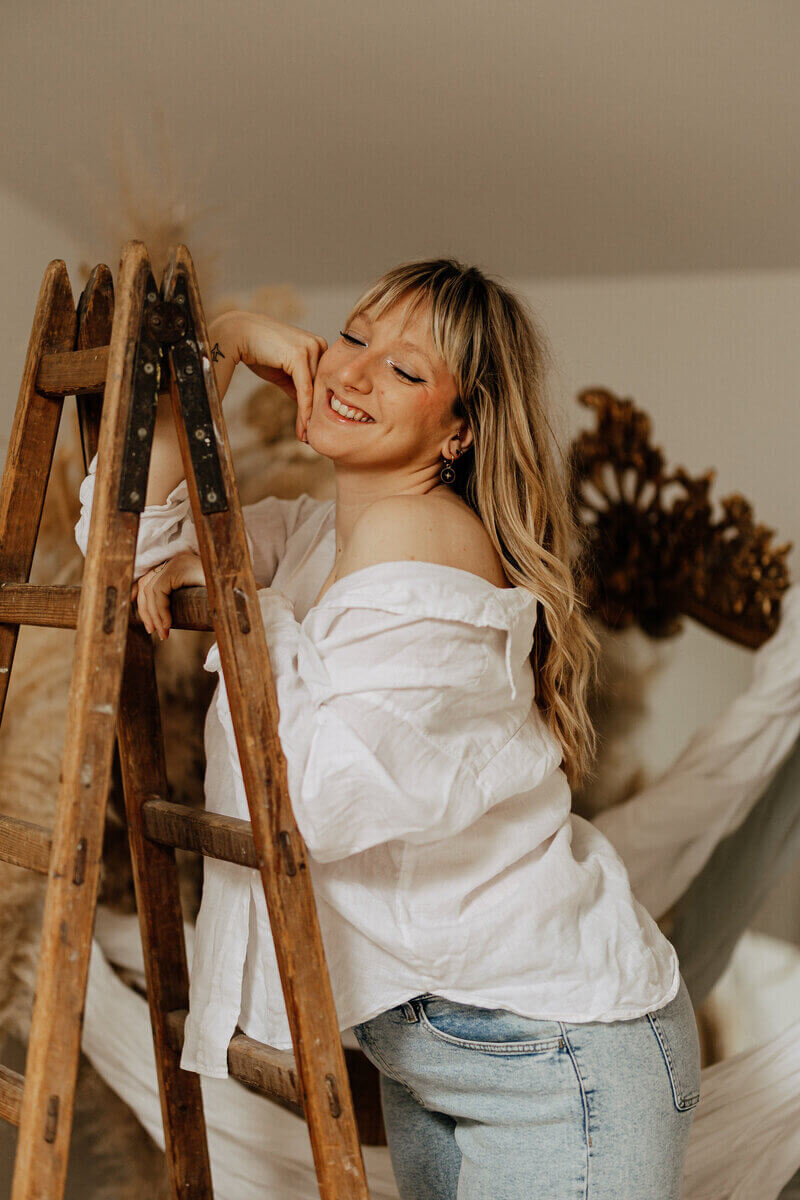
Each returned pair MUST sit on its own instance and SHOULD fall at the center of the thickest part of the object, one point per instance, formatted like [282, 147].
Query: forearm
[166, 464]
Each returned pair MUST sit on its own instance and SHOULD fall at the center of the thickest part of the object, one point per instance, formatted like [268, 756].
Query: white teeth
[353, 413]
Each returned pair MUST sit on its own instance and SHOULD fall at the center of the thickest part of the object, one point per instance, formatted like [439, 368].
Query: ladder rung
[25, 844]
[72, 372]
[270, 1071]
[206, 833]
[57, 607]
[11, 1084]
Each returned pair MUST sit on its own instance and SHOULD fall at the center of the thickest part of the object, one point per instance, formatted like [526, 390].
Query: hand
[152, 590]
[281, 354]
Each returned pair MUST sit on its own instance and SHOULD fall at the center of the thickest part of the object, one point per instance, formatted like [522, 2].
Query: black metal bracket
[167, 339]
[142, 415]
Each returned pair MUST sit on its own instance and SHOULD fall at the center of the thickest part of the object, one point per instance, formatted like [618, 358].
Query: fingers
[153, 601]
[304, 383]
[284, 355]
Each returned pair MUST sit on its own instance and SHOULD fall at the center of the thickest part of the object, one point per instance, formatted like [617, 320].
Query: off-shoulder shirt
[428, 789]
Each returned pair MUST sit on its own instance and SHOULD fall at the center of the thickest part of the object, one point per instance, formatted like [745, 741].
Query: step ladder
[115, 354]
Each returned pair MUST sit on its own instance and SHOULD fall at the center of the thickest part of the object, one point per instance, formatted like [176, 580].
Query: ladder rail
[77, 840]
[155, 877]
[31, 448]
[280, 849]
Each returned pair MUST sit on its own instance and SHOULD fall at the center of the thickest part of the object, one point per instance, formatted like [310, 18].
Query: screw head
[188, 369]
[151, 296]
[134, 496]
[211, 497]
[148, 368]
[141, 432]
[180, 299]
[200, 434]
[155, 320]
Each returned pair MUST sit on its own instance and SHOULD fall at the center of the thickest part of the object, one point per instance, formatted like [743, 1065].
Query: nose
[357, 374]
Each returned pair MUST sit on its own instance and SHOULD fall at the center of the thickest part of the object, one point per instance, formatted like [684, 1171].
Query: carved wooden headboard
[654, 550]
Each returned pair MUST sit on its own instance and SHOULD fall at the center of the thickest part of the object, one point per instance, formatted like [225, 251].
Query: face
[388, 371]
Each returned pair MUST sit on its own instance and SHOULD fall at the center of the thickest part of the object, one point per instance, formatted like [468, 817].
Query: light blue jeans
[481, 1104]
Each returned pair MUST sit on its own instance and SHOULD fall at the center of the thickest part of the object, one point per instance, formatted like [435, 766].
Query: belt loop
[409, 1011]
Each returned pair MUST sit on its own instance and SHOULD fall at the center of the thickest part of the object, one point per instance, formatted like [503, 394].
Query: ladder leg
[310, 1007]
[54, 1045]
[31, 448]
[95, 317]
[155, 877]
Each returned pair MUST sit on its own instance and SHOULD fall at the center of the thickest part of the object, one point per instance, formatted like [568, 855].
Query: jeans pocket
[675, 1029]
[488, 1030]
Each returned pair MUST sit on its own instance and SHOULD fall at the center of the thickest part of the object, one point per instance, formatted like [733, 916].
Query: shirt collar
[428, 589]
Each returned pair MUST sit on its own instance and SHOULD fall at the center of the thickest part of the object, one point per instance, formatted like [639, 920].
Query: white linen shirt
[428, 790]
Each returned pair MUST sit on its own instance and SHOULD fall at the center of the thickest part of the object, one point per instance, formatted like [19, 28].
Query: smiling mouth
[359, 417]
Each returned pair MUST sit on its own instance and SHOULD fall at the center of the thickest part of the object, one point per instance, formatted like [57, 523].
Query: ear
[465, 436]
[460, 440]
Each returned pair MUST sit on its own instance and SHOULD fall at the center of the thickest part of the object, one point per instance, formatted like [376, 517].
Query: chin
[326, 439]
[319, 443]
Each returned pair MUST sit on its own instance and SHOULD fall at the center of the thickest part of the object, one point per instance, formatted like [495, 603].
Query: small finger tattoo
[216, 352]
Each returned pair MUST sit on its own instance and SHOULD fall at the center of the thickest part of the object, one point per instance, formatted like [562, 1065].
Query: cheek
[327, 360]
[416, 414]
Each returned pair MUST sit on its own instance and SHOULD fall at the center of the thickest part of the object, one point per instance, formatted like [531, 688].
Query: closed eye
[348, 337]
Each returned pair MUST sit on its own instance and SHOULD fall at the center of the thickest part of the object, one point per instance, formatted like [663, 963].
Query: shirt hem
[619, 1013]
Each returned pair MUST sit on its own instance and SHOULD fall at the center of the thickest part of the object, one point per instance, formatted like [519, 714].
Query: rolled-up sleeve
[168, 529]
[373, 713]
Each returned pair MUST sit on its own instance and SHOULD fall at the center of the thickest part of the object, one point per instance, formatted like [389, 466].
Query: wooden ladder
[115, 359]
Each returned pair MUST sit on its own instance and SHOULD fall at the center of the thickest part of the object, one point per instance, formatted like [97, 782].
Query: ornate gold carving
[654, 549]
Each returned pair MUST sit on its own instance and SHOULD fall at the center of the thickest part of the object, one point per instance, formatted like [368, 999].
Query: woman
[532, 1030]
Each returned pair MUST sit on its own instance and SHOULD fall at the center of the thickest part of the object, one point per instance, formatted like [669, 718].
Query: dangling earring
[447, 473]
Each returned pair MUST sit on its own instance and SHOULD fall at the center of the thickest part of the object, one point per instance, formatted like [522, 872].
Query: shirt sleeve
[666, 832]
[376, 715]
[168, 529]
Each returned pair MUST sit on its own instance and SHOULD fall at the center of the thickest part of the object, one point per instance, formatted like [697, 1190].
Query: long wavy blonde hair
[515, 478]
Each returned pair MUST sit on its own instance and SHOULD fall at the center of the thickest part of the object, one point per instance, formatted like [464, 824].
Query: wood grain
[57, 606]
[25, 844]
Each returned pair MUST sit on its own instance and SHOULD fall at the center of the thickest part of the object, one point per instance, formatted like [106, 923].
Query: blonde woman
[532, 1029]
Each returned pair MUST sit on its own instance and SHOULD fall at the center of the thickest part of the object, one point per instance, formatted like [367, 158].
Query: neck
[356, 490]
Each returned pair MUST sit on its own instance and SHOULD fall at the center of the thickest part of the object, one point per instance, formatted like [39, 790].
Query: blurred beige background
[631, 168]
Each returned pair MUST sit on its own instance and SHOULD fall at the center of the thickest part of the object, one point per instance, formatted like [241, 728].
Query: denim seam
[585, 1103]
[535, 1047]
[387, 1069]
[681, 1102]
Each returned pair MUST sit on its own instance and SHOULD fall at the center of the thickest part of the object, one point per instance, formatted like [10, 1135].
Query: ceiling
[325, 142]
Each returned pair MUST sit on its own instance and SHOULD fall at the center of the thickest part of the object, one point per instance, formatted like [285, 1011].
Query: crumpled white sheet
[666, 832]
[744, 1142]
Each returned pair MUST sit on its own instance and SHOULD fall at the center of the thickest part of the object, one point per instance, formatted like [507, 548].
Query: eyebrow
[413, 346]
[405, 343]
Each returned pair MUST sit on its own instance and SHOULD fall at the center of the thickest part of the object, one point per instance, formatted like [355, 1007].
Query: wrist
[226, 332]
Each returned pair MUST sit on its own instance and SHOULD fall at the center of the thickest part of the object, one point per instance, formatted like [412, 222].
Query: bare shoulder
[432, 528]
